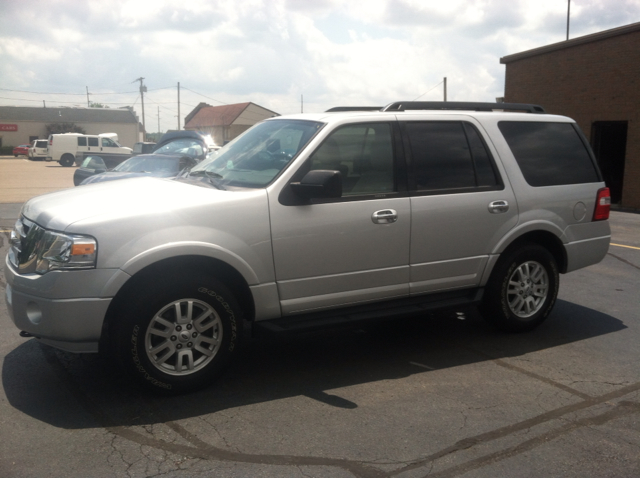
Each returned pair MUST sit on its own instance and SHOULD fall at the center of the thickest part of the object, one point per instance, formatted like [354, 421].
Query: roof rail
[337, 109]
[462, 105]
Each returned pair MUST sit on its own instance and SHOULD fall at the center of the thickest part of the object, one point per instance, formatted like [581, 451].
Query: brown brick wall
[598, 81]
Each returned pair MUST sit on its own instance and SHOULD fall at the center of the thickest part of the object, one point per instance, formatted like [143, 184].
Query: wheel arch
[216, 268]
[546, 239]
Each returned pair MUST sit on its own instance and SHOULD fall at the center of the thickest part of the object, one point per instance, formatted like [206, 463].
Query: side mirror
[319, 184]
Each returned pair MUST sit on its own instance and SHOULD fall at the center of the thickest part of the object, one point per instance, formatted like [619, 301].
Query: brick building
[594, 79]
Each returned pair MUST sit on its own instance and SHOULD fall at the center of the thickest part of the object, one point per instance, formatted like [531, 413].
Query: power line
[428, 90]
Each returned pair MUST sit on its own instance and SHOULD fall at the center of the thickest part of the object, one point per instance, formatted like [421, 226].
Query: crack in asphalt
[523, 371]
[624, 260]
[205, 451]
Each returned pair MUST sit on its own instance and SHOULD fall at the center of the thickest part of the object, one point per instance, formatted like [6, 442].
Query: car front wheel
[522, 289]
[176, 335]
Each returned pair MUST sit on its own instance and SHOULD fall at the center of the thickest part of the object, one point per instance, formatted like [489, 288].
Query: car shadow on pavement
[74, 391]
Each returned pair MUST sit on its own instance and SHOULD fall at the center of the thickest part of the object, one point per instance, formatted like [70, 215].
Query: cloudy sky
[273, 52]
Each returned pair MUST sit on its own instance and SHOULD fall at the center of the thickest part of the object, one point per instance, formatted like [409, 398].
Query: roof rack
[337, 109]
[462, 105]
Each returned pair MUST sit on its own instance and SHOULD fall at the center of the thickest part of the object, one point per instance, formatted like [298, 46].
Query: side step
[352, 316]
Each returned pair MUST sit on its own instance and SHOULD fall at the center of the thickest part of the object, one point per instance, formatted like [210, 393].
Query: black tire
[522, 289]
[198, 346]
[67, 160]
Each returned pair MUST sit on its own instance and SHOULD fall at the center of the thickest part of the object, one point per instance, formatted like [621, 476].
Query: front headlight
[35, 249]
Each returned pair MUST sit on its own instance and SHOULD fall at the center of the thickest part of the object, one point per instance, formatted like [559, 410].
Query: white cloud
[273, 51]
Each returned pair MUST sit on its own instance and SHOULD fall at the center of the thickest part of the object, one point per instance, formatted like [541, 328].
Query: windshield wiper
[204, 172]
[210, 175]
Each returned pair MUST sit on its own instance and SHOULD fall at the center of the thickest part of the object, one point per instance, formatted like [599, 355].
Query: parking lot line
[628, 247]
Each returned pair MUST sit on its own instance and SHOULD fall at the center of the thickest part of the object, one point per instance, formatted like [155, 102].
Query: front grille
[23, 252]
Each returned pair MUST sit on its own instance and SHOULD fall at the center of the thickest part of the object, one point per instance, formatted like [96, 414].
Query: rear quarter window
[550, 154]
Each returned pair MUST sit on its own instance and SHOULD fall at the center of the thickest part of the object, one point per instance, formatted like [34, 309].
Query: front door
[349, 250]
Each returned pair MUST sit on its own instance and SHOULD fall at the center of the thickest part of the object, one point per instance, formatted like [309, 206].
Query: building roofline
[614, 32]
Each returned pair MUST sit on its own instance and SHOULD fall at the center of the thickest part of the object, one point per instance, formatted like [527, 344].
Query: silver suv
[309, 221]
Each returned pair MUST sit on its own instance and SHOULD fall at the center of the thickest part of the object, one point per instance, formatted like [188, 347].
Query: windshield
[141, 164]
[258, 155]
[187, 146]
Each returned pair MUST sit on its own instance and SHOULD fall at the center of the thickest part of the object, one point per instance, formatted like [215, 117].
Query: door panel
[452, 237]
[324, 250]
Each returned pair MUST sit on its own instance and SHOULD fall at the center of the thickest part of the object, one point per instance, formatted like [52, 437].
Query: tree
[97, 105]
[55, 128]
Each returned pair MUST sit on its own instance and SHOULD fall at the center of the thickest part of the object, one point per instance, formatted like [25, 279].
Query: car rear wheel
[67, 160]
[175, 334]
[522, 290]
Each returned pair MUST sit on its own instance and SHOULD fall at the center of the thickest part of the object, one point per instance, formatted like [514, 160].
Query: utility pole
[88, 103]
[143, 89]
[568, 16]
[445, 88]
[301, 104]
[178, 106]
[158, 119]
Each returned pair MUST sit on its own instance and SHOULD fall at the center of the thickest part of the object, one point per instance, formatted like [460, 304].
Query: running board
[352, 316]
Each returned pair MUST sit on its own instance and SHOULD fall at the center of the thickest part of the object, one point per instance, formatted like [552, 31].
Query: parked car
[172, 154]
[308, 221]
[93, 169]
[22, 150]
[38, 150]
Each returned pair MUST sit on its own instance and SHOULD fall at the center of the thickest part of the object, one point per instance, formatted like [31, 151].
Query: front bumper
[50, 309]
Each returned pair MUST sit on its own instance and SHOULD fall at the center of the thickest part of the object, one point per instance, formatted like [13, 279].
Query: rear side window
[93, 142]
[82, 141]
[549, 154]
[449, 155]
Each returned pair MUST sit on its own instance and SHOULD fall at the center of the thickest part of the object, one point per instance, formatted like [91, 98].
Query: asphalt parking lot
[438, 395]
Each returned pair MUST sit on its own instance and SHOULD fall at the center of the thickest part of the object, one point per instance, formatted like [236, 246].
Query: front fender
[177, 249]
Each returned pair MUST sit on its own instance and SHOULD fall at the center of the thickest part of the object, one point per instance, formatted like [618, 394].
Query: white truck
[70, 148]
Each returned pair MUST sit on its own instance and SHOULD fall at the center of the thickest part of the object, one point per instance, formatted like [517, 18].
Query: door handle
[498, 207]
[385, 216]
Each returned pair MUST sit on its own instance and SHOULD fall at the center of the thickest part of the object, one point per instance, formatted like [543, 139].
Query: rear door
[460, 205]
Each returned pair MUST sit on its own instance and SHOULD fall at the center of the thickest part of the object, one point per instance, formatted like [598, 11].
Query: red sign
[8, 127]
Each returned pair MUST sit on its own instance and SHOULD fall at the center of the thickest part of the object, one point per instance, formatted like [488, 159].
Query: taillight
[603, 205]
[50, 141]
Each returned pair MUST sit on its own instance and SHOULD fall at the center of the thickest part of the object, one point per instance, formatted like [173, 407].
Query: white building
[23, 124]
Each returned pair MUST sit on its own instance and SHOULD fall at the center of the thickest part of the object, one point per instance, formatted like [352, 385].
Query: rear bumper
[587, 252]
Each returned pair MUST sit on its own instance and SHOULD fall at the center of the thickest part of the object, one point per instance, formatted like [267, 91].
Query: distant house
[226, 122]
[594, 79]
[23, 124]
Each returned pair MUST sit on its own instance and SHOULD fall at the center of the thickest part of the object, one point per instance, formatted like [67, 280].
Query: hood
[117, 200]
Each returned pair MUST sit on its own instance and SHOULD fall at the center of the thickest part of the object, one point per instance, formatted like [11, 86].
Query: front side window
[363, 153]
[108, 143]
[549, 154]
[93, 162]
[82, 141]
[256, 157]
[449, 155]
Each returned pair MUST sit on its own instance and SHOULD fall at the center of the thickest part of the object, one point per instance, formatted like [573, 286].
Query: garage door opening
[609, 142]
